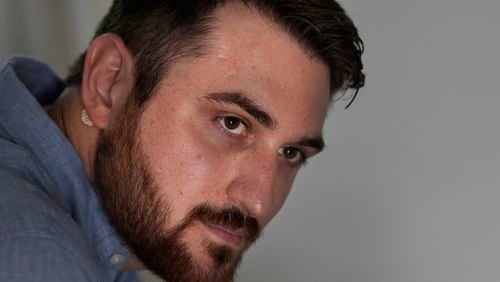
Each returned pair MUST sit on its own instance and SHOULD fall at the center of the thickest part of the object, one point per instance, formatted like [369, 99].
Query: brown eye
[292, 154]
[233, 125]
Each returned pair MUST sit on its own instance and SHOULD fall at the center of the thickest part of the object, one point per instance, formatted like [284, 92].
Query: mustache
[229, 217]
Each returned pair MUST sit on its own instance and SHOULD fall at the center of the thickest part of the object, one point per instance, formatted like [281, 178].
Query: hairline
[206, 48]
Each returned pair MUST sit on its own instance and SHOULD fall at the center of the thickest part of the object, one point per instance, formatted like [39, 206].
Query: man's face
[211, 157]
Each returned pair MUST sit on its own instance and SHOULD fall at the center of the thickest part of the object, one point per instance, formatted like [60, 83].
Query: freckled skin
[193, 160]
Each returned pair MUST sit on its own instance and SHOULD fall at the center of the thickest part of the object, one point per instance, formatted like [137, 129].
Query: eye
[232, 124]
[292, 154]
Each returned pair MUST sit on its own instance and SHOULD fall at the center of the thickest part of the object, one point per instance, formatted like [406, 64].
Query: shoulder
[39, 241]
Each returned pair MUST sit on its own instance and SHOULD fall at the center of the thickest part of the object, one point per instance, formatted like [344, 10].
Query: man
[175, 140]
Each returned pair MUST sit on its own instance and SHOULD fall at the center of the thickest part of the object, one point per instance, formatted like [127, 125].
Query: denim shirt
[52, 225]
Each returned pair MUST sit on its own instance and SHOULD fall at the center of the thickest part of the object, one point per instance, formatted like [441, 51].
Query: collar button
[116, 259]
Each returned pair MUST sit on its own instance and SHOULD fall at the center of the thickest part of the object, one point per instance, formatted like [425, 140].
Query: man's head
[205, 112]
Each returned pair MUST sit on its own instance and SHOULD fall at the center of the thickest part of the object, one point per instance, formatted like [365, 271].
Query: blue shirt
[52, 226]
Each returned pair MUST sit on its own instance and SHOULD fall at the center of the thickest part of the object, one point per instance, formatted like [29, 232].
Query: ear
[107, 79]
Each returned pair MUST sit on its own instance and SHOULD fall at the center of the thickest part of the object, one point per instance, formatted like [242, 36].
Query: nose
[253, 188]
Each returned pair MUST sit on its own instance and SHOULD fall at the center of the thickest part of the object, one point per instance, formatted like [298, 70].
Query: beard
[139, 213]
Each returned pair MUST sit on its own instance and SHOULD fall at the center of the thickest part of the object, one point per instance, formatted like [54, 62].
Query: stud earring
[85, 118]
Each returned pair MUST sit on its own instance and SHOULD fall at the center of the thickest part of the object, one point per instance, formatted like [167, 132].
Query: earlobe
[107, 78]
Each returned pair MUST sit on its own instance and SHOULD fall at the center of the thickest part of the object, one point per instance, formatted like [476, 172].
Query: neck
[65, 112]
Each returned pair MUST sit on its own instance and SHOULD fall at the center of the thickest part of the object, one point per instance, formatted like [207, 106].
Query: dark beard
[137, 212]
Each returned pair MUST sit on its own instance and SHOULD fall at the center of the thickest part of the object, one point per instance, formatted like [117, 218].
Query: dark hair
[158, 32]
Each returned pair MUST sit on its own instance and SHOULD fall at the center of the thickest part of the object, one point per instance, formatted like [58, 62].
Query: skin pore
[223, 136]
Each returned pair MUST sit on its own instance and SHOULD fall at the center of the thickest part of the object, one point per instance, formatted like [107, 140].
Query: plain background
[408, 190]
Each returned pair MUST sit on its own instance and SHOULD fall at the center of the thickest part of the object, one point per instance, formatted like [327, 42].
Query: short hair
[159, 32]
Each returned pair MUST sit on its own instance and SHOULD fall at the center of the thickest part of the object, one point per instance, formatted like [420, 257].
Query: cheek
[184, 162]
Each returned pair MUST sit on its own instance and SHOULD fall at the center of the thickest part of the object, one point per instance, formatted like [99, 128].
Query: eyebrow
[249, 106]
[264, 118]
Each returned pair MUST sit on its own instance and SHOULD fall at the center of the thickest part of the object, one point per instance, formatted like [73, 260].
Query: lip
[233, 237]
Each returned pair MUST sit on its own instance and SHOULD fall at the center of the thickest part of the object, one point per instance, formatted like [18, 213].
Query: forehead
[249, 53]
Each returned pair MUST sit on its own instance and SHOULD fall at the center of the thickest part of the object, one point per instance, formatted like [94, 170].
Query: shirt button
[116, 259]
